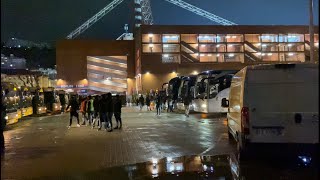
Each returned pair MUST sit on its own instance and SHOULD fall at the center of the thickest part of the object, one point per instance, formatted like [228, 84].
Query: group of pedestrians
[97, 109]
[160, 102]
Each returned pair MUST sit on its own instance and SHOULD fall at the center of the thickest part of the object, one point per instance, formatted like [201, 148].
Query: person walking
[103, 112]
[148, 101]
[90, 110]
[158, 104]
[96, 110]
[74, 110]
[83, 110]
[117, 111]
[141, 102]
[109, 111]
[187, 105]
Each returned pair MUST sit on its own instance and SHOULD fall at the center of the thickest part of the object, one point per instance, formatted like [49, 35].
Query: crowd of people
[161, 103]
[96, 110]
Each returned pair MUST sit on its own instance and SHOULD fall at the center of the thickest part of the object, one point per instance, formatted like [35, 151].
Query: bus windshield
[218, 85]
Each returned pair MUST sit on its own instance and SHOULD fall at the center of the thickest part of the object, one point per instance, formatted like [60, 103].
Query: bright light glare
[169, 159]
[154, 160]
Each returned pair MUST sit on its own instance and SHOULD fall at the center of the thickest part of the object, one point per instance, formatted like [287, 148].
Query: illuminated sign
[72, 86]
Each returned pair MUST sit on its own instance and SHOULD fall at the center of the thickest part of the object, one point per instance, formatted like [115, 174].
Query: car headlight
[39, 109]
[56, 107]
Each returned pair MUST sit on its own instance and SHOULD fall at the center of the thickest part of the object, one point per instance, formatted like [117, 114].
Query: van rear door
[283, 104]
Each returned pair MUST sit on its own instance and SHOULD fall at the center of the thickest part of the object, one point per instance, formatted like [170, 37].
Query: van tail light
[245, 120]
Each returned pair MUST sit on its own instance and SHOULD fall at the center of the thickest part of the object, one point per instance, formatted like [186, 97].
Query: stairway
[315, 47]
[251, 46]
[249, 56]
[187, 57]
[186, 45]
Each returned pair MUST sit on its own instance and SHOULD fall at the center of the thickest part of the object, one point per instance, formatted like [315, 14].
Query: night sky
[50, 20]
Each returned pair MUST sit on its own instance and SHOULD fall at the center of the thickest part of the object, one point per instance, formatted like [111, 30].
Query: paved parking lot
[43, 146]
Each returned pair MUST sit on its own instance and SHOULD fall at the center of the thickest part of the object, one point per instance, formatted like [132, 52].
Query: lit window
[231, 55]
[290, 54]
[150, 45]
[289, 45]
[201, 54]
[218, 55]
[209, 54]
[150, 35]
[269, 54]
[218, 45]
[264, 45]
[227, 37]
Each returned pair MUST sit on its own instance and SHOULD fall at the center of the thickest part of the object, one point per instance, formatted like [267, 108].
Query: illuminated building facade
[159, 53]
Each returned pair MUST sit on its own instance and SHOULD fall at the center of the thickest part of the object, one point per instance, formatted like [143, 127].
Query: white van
[275, 106]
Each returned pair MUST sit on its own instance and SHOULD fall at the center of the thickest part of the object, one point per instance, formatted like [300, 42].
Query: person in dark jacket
[3, 123]
[74, 110]
[141, 102]
[187, 101]
[148, 103]
[117, 111]
[158, 104]
[109, 111]
[96, 110]
[103, 111]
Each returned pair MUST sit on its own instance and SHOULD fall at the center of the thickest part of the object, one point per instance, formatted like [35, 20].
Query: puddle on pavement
[203, 167]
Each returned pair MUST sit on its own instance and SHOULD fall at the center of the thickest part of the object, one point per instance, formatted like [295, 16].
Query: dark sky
[50, 20]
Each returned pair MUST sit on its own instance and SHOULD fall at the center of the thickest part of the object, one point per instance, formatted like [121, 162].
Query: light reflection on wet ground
[43, 146]
[202, 167]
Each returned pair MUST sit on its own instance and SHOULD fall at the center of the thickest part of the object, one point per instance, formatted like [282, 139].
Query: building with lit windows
[159, 53]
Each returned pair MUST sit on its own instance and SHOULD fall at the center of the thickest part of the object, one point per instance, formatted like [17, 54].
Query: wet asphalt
[44, 148]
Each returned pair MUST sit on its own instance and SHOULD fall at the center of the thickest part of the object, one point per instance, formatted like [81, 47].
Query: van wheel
[230, 136]
[242, 154]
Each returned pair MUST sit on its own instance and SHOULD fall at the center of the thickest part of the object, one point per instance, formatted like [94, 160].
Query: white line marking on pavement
[211, 147]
